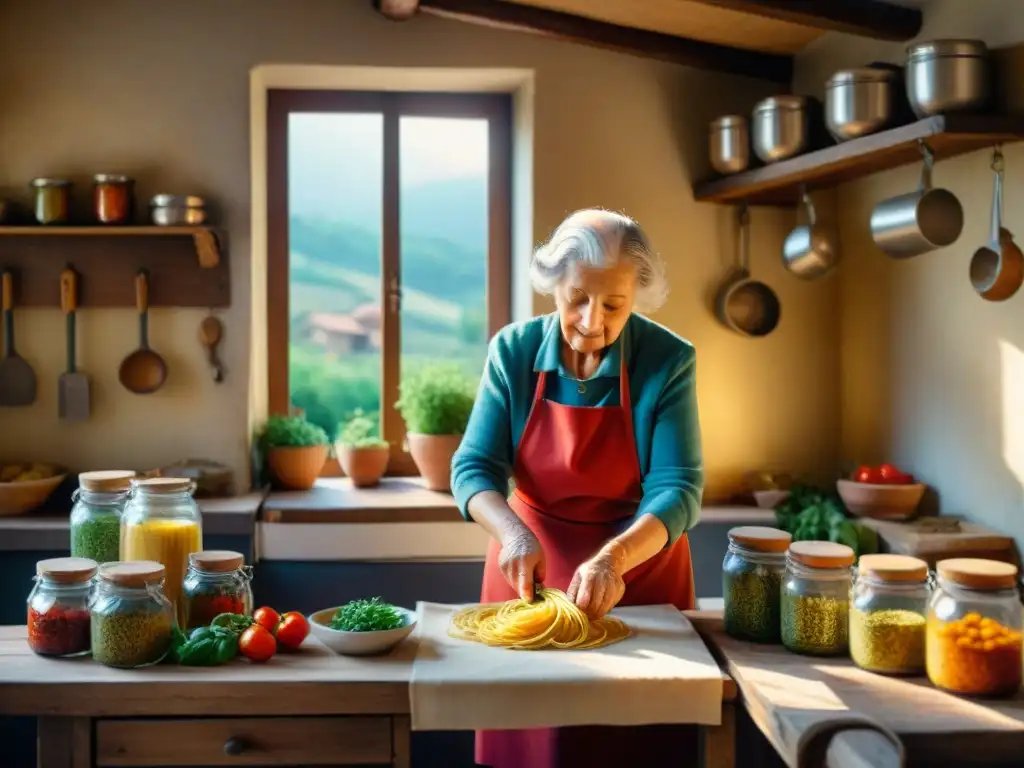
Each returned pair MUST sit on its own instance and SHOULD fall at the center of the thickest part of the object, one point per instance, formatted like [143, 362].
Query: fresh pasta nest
[551, 621]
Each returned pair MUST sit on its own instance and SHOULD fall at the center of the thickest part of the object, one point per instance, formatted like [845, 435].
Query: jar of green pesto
[96, 514]
[816, 598]
[752, 574]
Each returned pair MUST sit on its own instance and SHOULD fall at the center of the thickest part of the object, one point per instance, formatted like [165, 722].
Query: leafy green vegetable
[210, 646]
[372, 615]
[436, 400]
[810, 514]
[290, 432]
[361, 432]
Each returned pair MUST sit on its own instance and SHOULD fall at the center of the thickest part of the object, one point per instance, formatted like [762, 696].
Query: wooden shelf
[185, 264]
[779, 184]
[204, 239]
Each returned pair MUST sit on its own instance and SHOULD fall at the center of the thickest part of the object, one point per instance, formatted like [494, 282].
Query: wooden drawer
[285, 741]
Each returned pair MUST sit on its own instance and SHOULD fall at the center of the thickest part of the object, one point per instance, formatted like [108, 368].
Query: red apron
[578, 484]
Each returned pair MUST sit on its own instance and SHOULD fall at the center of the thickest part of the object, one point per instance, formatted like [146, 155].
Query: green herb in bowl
[373, 615]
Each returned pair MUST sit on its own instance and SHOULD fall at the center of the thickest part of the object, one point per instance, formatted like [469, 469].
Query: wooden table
[786, 694]
[308, 708]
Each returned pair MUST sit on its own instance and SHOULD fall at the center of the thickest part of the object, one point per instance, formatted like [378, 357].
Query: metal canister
[53, 200]
[729, 144]
[112, 198]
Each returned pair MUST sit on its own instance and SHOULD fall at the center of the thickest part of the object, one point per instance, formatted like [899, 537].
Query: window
[388, 246]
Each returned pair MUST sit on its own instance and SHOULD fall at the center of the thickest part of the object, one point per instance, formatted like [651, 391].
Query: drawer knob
[234, 746]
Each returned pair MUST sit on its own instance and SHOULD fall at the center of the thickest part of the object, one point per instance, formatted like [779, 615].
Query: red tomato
[267, 618]
[894, 475]
[292, 630]
[257, 644]
[866, 474]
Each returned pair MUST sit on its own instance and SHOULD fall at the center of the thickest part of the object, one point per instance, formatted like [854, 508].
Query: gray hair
[599, 238]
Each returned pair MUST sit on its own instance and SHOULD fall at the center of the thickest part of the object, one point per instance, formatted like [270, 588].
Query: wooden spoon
[211, 331]
[143, 371]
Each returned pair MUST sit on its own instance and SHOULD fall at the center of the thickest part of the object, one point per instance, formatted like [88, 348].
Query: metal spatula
[17, 379]
[73, 387]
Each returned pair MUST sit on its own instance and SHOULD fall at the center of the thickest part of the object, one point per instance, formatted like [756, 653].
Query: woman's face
[594, 305]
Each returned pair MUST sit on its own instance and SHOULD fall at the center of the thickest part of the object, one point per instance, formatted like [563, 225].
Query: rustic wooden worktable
[788, 695]
[308, 708]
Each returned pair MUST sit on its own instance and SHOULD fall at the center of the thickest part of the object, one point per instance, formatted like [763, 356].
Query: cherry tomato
[267, 618]
[866, 474]
[292, 630]
[257, 644]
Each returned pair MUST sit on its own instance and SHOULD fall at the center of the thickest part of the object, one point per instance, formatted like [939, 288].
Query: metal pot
[917, 222]
[780, 128]
[811, 250]
[729, 144]
[744, 305]
[859, 102]
[948, 76]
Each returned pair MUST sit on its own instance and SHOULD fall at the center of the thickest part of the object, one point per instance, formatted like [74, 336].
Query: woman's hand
[521, 561]
[597, 585]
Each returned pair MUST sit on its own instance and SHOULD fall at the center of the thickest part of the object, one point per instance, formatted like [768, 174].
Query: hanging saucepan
[917, 222]
[997, 270]
[812, 249]
[745, 305]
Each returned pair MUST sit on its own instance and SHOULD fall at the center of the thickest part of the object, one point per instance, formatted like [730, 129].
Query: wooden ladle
[143, 371]
[211, 331]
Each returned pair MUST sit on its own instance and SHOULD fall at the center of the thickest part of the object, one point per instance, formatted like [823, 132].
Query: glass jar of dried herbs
[752, 574]
[816, 598]
[58, 607]
[217, 581]
[888, 608]
[132, 620]
[96, 514]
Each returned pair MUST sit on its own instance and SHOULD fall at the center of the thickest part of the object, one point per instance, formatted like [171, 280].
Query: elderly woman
[592, 410]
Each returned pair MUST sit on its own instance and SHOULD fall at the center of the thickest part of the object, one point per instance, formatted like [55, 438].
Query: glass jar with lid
[132, 619]
[974, 628]
[816, 598]
[53, 200]
[888, 610]
[752, 574]
[162, 522]
[217, 582]
[96, 514]
[112, 198]
[58, 606]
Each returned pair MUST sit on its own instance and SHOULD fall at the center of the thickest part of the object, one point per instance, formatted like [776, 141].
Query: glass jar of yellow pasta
[161, 522]
[973, 643]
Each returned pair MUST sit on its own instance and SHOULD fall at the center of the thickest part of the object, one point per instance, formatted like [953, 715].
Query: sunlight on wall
[1011, 360]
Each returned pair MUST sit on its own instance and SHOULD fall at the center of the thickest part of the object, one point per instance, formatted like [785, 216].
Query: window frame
[496, 108]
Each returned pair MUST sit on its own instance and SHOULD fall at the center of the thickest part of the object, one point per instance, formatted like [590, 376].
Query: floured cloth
[663, 673]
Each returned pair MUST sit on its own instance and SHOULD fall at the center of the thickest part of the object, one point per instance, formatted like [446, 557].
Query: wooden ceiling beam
[876, 19]
[776, 68]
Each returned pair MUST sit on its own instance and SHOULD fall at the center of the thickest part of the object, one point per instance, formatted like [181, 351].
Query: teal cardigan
[661, 370]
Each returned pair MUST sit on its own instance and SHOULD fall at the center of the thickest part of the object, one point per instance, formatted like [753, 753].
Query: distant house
[368, 317]
[339, 334]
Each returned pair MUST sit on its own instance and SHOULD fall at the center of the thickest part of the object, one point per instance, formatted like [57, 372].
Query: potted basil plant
[362, 454]
[296, 450]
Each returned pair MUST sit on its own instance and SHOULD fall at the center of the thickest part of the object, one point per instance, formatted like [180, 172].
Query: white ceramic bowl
[359, 643]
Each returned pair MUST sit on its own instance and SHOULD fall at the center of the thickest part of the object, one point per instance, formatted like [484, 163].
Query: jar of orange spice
[973, 643]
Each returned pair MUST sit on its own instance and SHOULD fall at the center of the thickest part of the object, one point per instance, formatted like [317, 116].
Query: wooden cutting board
[970, 541]
[787, 694]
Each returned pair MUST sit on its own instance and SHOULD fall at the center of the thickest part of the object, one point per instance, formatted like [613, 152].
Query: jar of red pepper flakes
[112, 198]
[58, 606]
[216, 582]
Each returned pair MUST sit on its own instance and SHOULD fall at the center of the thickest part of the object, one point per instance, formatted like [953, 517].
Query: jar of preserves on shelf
[58, 606]
[973, 642]
[752, 574]
[52, 203]
[816, 598]
[112, 198]
[217, 582]
[96, 514]
[162, 522]
[888, 610]
[132, 619]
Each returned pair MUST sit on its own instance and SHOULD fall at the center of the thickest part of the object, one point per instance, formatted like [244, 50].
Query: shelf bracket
[206, 248]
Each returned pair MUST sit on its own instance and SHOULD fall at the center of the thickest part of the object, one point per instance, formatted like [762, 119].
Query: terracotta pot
[364, 466]
[297, 468]
[433, 457]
